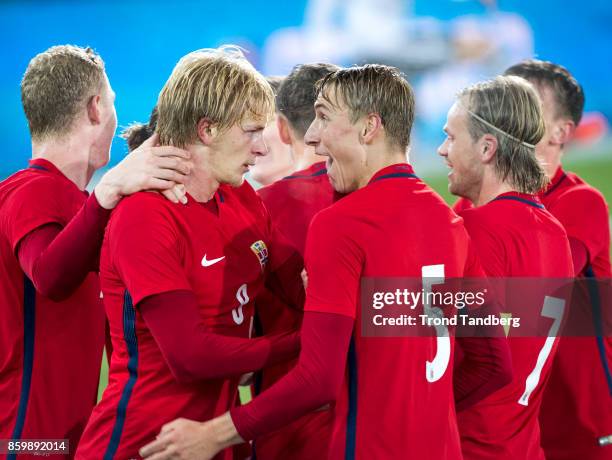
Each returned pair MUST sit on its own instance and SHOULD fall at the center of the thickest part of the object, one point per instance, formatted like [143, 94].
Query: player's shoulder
[496, 219]
[33, 181]
[244, 192]
[580, 191]
[269, 192]
[143, 205]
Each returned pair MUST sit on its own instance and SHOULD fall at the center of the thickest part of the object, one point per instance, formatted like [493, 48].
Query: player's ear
[207, 130]
[561, 132]
[488, 148]
[284, 130]
[372, 124]
[93, 110]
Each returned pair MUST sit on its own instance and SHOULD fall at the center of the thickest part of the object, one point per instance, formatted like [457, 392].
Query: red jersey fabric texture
[292, 203]
[50, 351]
[577, 406]
[515, 237]
[388, 405]
[151, 247]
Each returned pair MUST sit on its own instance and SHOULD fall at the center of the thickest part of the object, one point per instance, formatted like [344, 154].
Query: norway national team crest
[260, 249]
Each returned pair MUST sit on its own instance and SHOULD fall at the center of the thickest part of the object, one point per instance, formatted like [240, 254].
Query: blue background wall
[141, 41]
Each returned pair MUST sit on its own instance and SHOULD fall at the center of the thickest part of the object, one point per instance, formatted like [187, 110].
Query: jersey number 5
[435, 369]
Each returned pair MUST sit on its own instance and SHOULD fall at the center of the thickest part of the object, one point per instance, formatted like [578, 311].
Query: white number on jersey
[434, 370]
[243, 298]
[553, 308]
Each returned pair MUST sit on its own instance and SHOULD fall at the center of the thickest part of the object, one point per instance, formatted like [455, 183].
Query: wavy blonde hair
[509, 108]
[218, 84]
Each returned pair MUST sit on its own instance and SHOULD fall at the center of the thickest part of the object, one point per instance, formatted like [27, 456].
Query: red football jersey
[396, 226]
[50, 352]
[292, 203]
[516, 237]
[462, 204]
[576, 416]
[154, 246]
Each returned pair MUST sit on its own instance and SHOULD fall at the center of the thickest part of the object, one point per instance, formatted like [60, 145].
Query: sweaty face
[334, 136]
[278, 163]
[234, 151]
[461, 155]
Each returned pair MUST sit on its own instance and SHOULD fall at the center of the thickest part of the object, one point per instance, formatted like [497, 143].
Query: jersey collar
[531, 200]
[555, 181]
[395, 171]
[317, 169]
[42, 164]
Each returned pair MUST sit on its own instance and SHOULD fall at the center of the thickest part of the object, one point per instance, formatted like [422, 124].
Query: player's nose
[442, 150]
[259, 147]
[312, 137]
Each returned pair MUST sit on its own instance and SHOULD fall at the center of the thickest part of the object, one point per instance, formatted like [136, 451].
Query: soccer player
[387, 405]
[279, 161]
[492, 130]
[52, 328]
[179, 281]
[576, 418]
[292, 203]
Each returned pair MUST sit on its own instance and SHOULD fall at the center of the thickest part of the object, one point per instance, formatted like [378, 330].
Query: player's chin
[237, 180]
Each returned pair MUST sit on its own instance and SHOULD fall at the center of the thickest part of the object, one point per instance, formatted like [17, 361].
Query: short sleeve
[334, 263]
[39, 202]
[583, 213]
[145, 247]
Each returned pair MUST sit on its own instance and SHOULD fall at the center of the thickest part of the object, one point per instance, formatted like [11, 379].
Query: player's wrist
[225, 433]
[107, 192]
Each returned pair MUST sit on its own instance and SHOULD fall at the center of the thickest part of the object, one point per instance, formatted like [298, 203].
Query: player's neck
[69, 155]
[304, 156]
[491, 188]
[201, 185]
[200, 182]
[551, 161]
[380, 160]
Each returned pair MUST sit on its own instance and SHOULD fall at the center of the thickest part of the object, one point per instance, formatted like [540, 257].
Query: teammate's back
[516, 237]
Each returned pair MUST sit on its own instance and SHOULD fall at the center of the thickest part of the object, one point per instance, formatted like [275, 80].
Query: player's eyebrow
[321, 105]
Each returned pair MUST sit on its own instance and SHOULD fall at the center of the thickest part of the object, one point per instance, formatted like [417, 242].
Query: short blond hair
[218, 84]
[57, 84]
[373, 88]
[509, 108]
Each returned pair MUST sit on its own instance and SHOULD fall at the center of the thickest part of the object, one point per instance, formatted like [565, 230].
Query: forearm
[312, 383]
[194, 353]
[486, 366]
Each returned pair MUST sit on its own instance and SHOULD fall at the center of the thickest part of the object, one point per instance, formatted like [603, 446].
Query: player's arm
[312, 383]
[57, 256]
[584, 214]
[483, 364]
[57, 259]
[194, 353]
[334, 264]
[146, 249]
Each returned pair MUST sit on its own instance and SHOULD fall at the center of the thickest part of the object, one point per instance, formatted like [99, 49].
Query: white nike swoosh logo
[208, 263]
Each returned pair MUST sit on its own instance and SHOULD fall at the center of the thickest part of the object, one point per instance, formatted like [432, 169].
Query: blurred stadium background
[441, 46]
